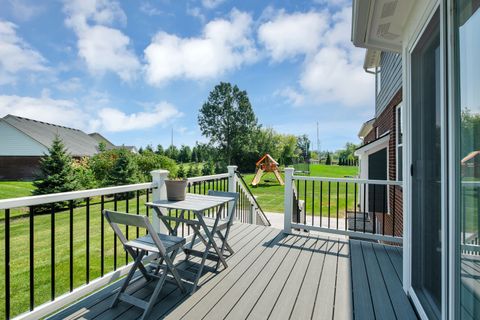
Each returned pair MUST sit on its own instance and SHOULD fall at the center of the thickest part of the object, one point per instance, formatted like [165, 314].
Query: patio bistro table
[198, 204]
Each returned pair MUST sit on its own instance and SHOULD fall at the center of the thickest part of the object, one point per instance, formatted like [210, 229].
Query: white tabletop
[192, 202]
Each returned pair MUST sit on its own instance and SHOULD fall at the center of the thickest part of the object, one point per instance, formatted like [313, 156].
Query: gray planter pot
[176, 189]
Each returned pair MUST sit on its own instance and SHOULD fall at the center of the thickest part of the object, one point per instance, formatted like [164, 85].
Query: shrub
[181, 174]
[84, 174]
[208, 168]
[149, 161]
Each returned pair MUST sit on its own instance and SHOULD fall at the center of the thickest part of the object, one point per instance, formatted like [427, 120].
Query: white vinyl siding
[15, 143]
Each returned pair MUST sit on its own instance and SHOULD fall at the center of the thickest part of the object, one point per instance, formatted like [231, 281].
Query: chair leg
[173, 270]
[153, 298]
[138, 261]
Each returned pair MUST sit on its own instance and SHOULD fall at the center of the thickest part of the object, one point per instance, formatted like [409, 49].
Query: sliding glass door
[466, 86]
[427, 154]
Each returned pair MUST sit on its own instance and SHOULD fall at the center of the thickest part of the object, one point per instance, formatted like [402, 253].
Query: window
[399, 145]
[378, 80]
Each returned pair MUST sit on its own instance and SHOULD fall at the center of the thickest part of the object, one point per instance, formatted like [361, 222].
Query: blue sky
[135, 70]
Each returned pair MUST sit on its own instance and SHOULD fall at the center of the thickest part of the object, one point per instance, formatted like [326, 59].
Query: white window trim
[397, 136]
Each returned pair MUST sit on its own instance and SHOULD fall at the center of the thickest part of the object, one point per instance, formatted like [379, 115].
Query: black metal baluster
[384, 207]
[346, 205]
[298, 202]
[329, 192]
[70, 205]
[138, 209]
[305, 201]
[7, 263]
[313, 202]
[374, 225]
[102, 236]
[114, 236]
[52, 252]
[321, 203]
[364, 206]
[88, 241]
[393, 211]
[32, 266]
[338, 203]
[355, 207]
[126, 226]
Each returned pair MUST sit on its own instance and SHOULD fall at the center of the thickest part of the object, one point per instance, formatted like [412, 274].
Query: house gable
[16, 143]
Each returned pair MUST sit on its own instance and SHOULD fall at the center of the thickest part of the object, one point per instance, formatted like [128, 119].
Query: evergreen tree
[190, 172]
[160, 150]
[56, 172]
[196, 170]
[329, 159]
[124, 171]
[208, 168]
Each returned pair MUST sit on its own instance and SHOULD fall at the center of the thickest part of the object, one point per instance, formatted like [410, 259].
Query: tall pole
[318, 140]
[172, 138]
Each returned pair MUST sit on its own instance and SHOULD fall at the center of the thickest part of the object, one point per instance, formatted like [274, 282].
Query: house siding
[391, 80]
[13, 142]
[386, 122]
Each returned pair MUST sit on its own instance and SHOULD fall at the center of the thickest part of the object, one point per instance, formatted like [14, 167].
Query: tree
[172, 152]
[185, 154]
[303, 143]
[329, 159]
[56, 172]
[208, 168]
[102, 146]
[228, 120]
[149, 161]
[160, 150]
[124, 170]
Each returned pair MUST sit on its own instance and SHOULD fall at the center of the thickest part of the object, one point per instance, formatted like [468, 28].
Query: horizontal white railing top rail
[349, 180]
[72, 195]
[210, 177]
[80, 194]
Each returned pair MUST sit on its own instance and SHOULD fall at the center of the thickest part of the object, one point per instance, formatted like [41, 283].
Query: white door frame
[424, 20]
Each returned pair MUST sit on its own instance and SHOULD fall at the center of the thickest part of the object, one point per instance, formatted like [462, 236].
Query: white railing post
[232, 179]
[288, 204]
[159, 193]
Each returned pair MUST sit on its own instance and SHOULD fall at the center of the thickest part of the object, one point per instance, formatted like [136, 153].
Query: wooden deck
[273, 276]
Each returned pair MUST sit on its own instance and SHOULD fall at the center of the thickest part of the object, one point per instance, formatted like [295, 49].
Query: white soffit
[372, 59]
[379, 24]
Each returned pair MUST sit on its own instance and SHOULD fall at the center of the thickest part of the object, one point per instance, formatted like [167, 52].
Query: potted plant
[177, 185]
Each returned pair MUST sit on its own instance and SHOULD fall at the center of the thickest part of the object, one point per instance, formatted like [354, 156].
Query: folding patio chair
[165, 246]
[224, 224]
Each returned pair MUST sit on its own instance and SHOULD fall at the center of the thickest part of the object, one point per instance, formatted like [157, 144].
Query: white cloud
[211, 4]
[115, 120]
[69, 113]
[103, 48]
[16, 55]
[293, 96]
[25, 10]
[224, 45]
[150, 10]
[332, 67]
[288, 35]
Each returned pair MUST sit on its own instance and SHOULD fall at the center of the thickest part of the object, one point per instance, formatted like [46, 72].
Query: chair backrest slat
[231, 204]
[125, 219]
[115, 218]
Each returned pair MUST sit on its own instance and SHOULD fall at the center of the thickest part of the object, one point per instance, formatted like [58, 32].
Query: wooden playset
[266, 164]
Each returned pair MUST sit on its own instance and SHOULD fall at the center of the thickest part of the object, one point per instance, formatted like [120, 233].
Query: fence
[56, 256]
[355, 207]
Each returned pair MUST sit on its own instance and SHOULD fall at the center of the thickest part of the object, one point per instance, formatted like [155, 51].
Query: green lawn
[270, 195]
[15, 189]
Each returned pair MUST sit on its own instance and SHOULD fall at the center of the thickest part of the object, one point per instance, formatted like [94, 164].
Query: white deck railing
[362, 208]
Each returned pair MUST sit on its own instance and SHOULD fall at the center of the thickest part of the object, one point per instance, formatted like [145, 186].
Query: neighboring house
[380, 154]
[439, 46]
[108, 145]
[24, 141]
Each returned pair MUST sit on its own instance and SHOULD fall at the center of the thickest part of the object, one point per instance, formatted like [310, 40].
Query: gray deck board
[343, 293]
[393, 284]
[362, 306]
[306, 297]
[381, 299]
[276, 276]
[325, 299]
[223, 306]
[241, 309]
[285, 303]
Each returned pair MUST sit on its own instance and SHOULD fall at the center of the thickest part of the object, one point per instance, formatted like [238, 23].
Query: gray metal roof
[77, 142]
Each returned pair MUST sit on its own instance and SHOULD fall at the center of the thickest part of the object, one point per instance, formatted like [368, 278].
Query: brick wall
[18, 168]
[386, 122]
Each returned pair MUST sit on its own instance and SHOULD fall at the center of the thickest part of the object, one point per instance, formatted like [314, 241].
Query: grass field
[15, 189]
[270, 195]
